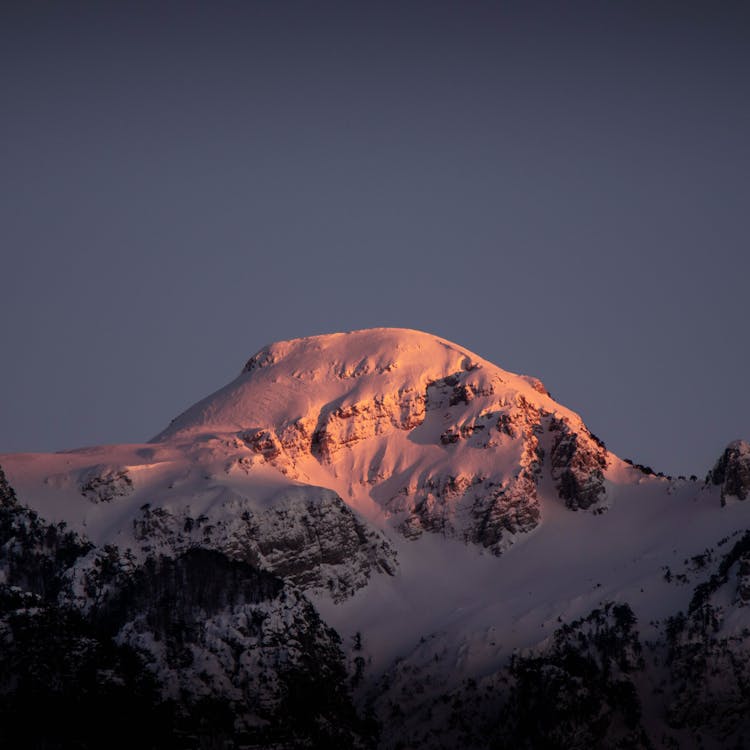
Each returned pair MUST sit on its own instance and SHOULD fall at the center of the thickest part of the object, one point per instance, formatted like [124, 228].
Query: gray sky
[562, 188]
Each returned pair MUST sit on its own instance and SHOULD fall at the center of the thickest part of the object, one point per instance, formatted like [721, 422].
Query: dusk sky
[563, 188]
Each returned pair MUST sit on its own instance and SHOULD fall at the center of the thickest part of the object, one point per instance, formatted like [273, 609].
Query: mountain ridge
[429, 525]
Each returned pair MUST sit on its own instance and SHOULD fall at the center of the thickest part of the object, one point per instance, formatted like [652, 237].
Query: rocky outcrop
[578, 461]
[346, 425]
[102, 484]
[512, 508]
[489, 508]
[308, 536]
[732, 472]
[500, 515]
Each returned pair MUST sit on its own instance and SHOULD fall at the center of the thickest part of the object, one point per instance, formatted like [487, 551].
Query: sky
[560, 187]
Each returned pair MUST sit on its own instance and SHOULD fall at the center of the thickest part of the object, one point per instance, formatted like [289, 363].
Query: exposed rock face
[309, 537]
[578, 463]
[102, 484]
[345, 426]
[732, 472]
[488, 508]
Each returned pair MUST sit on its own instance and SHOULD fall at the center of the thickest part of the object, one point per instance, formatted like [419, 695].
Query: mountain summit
[410, 427]
[373, 539]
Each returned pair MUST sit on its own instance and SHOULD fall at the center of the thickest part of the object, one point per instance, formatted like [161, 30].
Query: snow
[299, 377]
[571, 563]
[447, 597]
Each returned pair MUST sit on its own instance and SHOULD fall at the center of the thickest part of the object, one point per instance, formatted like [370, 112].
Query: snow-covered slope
[409, 429]
[447, 518]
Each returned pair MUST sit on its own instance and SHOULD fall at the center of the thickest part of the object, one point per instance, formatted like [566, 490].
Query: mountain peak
[288, 380]
[360, 352]
[334, 481]
[413, 429]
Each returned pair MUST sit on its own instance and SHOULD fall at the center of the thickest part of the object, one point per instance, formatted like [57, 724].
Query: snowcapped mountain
[408, 429]
[379, 538]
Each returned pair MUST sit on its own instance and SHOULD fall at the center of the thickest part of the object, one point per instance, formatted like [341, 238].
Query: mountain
[373, 539]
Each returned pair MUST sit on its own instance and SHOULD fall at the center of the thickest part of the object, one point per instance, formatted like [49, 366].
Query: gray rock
[732, 471]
